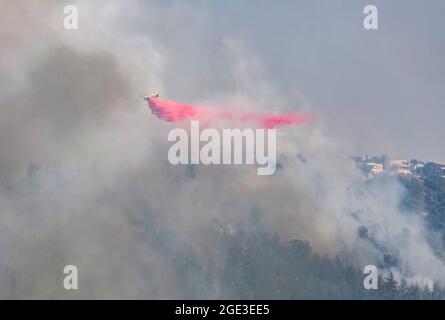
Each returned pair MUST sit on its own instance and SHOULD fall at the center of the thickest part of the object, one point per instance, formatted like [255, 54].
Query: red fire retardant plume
[172, 111]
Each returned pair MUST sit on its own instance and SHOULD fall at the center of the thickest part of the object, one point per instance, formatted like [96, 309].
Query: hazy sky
[384, 87]
[381, 88]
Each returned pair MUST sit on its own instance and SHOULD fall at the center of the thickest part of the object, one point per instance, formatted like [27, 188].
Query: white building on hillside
[402, 166]
[376, 168]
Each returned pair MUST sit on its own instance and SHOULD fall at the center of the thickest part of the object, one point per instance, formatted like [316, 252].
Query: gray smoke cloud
[84, 176]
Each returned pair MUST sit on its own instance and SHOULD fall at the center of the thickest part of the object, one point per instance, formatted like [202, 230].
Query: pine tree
[437, 292]
[390, 288]
[403, 289]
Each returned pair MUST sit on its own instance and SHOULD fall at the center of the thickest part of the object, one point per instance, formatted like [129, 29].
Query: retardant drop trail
[173, 111]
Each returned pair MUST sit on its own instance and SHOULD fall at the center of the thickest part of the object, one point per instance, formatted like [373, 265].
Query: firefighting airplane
[148, 96]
